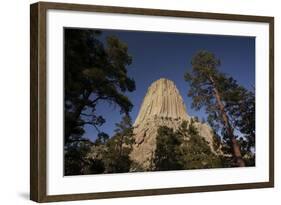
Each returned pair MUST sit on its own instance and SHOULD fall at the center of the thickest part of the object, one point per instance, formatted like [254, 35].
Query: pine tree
[116, 156]
[183, 148]
[94, 72]
[208, 87]
[196, 151]
[242, 111]
[242, 114]
[167, 153]
[76, 161]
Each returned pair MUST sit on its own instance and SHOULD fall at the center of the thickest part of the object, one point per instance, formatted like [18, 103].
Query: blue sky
[158, 54]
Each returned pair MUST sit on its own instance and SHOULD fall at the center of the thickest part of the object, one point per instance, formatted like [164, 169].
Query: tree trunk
[236, 151]
[121, 146]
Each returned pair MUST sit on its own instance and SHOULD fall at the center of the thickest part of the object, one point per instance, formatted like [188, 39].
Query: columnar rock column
[162, 100]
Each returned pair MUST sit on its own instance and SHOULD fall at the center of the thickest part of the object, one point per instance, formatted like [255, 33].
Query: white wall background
[14, 103]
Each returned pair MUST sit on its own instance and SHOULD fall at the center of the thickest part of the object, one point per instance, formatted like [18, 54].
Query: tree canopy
[94, 72]
[224, 101]
[184, 148]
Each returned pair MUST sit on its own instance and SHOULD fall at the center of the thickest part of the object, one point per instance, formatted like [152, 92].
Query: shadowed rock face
[161, 106]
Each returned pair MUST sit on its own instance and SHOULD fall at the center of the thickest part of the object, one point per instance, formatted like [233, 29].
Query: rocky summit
[161, 106]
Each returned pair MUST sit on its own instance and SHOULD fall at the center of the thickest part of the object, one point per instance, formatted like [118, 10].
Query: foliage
[167, 153]
[94, 72]
[105, 155]
[197, 152]
[229, 105]
[243, 116]
[183, 149]
[77, 161]
[117, 154]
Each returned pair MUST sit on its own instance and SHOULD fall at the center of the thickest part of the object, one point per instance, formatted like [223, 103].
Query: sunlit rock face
[161, 106]
[162, 100]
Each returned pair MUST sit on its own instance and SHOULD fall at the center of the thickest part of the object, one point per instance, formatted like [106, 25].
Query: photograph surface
[138, 101]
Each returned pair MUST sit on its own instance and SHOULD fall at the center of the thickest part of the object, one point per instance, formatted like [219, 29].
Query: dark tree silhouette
[116, 156]
[167, 153]
[94, 72]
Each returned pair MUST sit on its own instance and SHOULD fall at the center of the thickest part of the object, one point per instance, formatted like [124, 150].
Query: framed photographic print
[135, 102]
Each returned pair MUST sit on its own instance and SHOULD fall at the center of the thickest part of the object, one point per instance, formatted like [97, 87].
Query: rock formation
[162, 100]
[161, 106]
